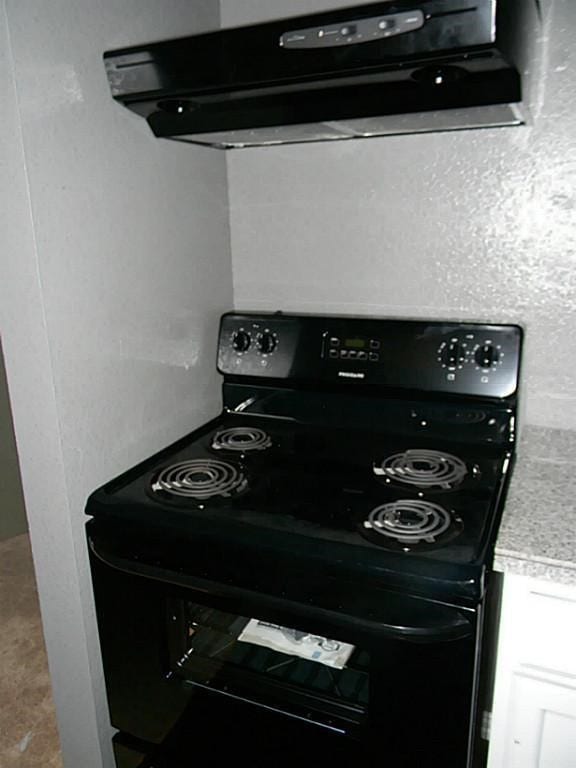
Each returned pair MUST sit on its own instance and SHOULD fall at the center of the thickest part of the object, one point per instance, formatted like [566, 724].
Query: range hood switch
[354, 32]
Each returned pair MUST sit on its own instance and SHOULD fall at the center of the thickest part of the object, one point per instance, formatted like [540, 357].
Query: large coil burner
[200, 480]
[411, 523]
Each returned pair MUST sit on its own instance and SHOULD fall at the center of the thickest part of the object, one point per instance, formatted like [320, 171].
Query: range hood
[393, 67]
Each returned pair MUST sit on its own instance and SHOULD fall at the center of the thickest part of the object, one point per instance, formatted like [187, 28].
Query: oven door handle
[413, 619]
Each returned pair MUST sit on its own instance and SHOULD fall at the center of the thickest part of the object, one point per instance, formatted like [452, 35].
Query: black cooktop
[306, 489]
[328, 483]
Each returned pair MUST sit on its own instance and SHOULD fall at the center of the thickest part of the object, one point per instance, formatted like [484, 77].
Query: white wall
[115, 268]
[234, 13]
[478, 225]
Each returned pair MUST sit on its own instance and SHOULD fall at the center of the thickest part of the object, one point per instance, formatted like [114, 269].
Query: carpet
[28, 734]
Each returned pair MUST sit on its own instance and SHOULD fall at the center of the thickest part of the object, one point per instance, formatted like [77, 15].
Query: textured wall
[478, 225]
[115, 267]
[12, 512]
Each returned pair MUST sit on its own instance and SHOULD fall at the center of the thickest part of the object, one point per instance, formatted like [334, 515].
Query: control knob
[241, 341]
[453, 354]
[486, 356]
[267, 343]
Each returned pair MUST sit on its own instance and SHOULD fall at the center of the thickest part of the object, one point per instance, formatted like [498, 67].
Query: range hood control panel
[354, 32]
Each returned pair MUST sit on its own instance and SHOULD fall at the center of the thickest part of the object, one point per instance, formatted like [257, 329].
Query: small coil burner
[422, 469]
[200, 479]
[241, 440]
[411, 522]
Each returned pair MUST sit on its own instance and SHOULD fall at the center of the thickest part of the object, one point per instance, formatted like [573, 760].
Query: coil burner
[422, 469]
[241, 440]
[200, 479]
[411, 523]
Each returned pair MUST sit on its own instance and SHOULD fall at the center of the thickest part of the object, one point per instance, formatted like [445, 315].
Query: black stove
[356, 463]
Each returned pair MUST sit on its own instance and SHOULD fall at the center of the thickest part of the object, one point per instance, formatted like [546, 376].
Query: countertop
[537, 535]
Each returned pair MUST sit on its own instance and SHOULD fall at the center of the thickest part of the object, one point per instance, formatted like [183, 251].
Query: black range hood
[393, 67]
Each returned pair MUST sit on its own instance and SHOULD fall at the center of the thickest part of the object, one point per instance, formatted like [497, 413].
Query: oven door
[177, 646]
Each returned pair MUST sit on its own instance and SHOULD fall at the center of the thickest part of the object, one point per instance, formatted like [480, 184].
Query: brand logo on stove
[351, 375]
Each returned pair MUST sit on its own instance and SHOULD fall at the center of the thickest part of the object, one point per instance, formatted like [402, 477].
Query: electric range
[353, 483]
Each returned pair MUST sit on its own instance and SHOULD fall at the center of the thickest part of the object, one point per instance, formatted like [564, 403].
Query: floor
[28, 735]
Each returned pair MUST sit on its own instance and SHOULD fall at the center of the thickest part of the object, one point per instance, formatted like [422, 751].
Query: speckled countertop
[538, 531]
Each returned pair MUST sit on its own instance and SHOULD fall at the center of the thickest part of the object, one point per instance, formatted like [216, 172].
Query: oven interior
[205, 651]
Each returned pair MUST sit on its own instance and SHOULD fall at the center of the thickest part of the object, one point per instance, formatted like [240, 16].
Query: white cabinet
[542, 725]
[534, 710]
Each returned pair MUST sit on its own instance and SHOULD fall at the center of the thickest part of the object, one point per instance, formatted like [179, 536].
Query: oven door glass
[286, 669]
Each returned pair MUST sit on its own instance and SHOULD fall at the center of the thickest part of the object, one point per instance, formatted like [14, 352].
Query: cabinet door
[543, 725]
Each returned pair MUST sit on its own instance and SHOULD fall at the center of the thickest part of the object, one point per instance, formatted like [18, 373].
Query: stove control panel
[257, 345]
[358, 348]
[461, 358]
[483, 353]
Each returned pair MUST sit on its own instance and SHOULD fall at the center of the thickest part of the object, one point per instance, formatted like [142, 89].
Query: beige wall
[12, 512]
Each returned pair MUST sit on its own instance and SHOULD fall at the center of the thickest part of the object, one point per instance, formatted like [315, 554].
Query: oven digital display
[355, 343]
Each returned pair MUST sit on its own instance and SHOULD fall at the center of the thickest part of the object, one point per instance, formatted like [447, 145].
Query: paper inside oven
[293, 642]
